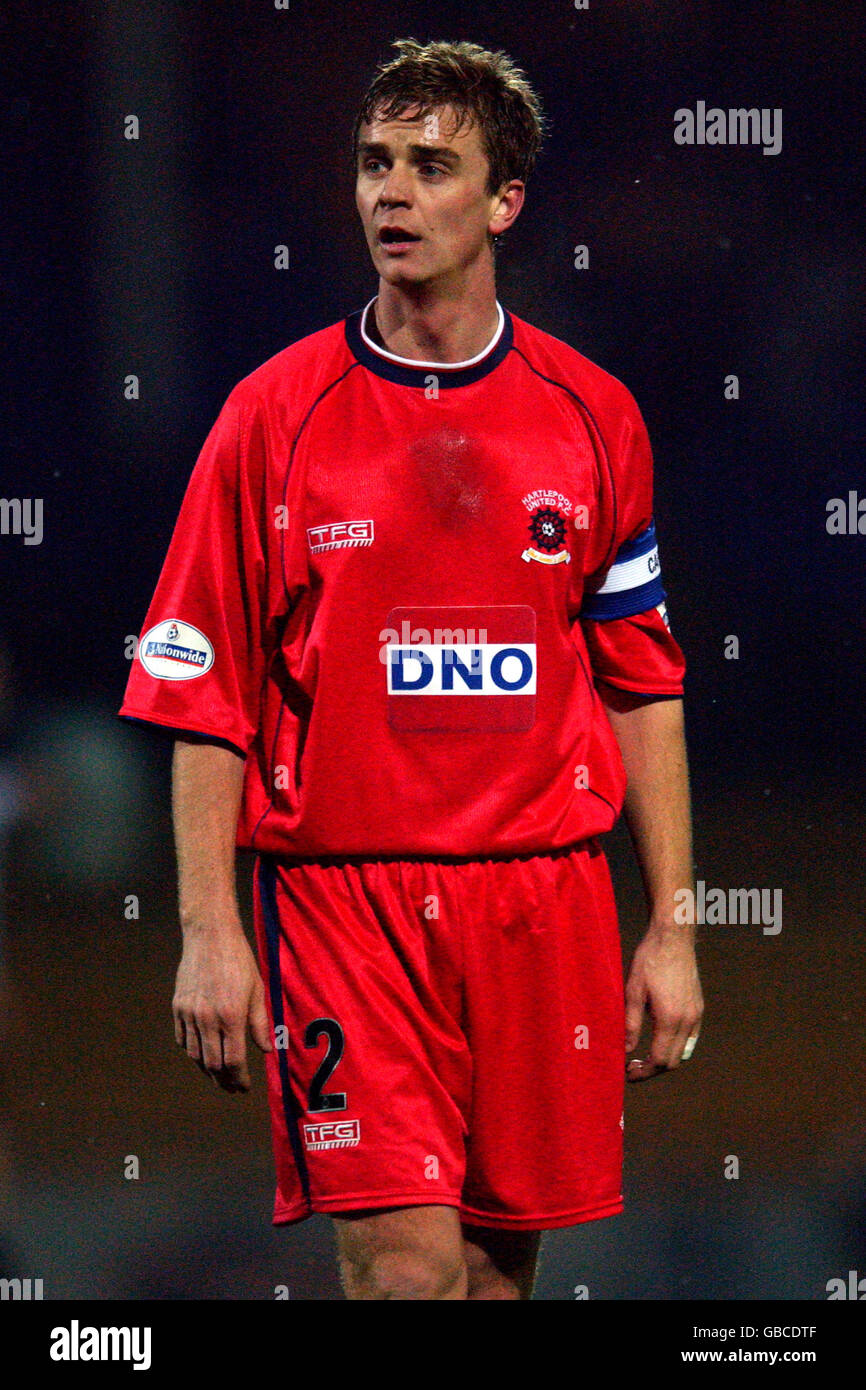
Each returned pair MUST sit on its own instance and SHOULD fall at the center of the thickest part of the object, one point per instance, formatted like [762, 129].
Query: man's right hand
[218, 992]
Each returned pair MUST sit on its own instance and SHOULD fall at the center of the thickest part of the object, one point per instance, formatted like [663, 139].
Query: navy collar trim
[404, 374]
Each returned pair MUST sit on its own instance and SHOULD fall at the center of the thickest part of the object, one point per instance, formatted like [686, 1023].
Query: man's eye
[432, 169]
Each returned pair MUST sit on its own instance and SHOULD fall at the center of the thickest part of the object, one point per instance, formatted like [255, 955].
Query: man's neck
[432, 329]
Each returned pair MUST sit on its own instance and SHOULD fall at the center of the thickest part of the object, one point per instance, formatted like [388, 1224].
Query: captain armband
[633, 583]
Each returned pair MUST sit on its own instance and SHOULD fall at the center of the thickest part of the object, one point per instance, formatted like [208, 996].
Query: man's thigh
[424, 1252]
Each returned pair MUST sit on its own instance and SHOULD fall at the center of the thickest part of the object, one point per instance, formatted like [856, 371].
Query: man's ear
[510, 201]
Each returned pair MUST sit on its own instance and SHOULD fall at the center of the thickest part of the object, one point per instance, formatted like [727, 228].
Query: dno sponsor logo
[487, 668]
[479, 676]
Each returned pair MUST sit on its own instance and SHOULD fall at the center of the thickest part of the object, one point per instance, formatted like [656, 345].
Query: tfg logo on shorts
[440, 682]
[333, 1134]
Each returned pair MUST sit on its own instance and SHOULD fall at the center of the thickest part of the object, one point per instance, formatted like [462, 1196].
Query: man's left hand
[663, 981]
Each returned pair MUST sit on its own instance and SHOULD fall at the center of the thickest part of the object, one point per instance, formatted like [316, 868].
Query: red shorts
[448, 1034]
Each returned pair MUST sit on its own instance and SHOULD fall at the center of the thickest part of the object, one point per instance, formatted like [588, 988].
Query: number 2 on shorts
[329, 1100]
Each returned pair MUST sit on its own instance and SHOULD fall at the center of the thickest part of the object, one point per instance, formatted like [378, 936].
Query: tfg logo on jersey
[454, 686]
[175, 651]
[339, 534]
[547, 526]
[333, 1134]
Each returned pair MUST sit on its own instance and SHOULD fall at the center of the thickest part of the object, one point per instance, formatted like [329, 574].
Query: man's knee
[416, 1253]
[419, 1274]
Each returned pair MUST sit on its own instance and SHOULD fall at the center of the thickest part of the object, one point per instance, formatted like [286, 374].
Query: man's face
[421, 190]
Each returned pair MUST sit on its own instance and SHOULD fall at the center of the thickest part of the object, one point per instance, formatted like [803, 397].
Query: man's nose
[396, 187]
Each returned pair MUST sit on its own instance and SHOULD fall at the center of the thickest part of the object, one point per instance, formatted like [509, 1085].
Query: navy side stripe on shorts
[268, 893]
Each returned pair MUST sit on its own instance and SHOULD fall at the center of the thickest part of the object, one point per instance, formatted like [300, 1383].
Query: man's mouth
[396, 237]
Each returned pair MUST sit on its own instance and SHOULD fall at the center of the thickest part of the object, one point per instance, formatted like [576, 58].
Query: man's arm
[664, 973]
[218, 988]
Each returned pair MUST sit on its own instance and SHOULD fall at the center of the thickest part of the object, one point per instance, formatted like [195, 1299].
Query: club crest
[549, 513]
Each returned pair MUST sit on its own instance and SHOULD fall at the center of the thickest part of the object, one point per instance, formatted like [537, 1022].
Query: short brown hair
[481, 86]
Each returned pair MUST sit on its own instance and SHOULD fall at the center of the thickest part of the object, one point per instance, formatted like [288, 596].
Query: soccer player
[411, 639]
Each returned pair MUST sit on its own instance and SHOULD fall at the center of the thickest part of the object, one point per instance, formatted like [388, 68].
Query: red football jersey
[392, 586]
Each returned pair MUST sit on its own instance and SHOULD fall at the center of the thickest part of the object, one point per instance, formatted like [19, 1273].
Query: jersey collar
[407, 371]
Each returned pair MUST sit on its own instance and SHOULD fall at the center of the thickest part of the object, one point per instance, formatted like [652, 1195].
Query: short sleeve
[624, 613]
[201, 658]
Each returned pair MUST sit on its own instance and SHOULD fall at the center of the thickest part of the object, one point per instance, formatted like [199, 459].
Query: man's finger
[684, 1042]
[667, 1043]
[669, 1046]
[259, 1026]
[634, 1013]
[636, 1070]
[678, 1045]
[191, 1040]
[194, 1047]
[235, 1074]
[662, 1049]
[211, 1043]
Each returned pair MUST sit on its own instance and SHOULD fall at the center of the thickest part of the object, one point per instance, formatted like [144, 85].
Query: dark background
[155, 257]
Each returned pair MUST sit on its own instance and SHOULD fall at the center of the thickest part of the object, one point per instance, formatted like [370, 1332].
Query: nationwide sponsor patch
[338, 535]
[460, 669]
[175, 651]
[333, 1134]
[548, 524]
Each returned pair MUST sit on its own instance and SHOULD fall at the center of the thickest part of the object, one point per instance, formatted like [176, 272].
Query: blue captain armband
[633, 583]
